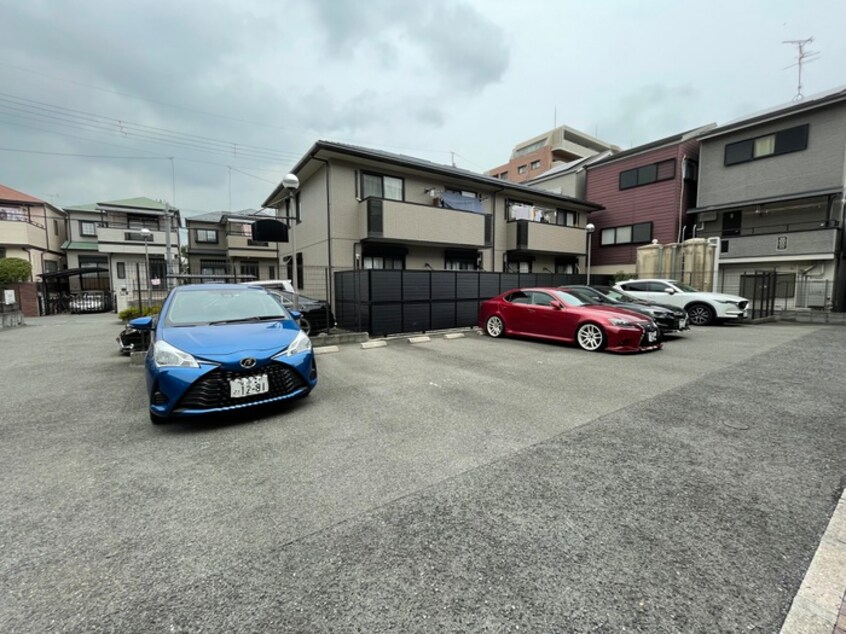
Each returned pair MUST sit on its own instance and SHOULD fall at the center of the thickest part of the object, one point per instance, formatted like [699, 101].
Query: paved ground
[455, 486]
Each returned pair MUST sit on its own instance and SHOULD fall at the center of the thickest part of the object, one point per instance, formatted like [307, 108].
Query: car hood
[645, 308]
[267, 337]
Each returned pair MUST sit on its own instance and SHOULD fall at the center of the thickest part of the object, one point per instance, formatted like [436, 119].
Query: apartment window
[92, 261]
[521, 169]
[535, 165]
[568, 268]
[271, 272]
[461, 260]
[207, 236]
[213, 268]
[503, 175]
[250, 270]
[158, 270]
[378, 186]
[13, 213]
[647, 174]
[55, 227]
[87, 228]
[50, 266]
[139, 221]
[627, 234]
[121, 270]
[781, 142]
[383, 262]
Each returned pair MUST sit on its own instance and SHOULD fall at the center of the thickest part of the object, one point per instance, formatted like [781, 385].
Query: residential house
[124, 243]
[32, 230]
[771, 188]
[541, 153]
[358, 207]
[645, 192]
[220, 247]
[568, 179]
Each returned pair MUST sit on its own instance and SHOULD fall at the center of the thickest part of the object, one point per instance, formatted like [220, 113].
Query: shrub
[132, 312]
[14, 270]
[621, 276]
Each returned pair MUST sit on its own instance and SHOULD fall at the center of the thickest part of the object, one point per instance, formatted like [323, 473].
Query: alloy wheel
[590, 337]
[494, 326]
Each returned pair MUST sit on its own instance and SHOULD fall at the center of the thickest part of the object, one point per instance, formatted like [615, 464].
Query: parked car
[88, 302]
[317, 315]
[131, 339]
[550, 313]
[702, 307]
[222, 347]
[668, 318]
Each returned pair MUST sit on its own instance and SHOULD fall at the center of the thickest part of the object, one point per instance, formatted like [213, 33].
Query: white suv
[702, 307]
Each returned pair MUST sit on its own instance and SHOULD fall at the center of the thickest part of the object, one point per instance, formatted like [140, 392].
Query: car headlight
[301, 343]
[624, 323]
[726, 301]
[167, 356]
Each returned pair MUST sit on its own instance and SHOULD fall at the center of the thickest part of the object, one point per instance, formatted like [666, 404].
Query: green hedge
[132, 312]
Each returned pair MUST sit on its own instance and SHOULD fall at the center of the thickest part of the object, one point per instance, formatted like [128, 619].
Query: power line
[136, 97]
[108, 156]
[80, 119]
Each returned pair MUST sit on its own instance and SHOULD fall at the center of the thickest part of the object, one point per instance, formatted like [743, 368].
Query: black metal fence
[383, 302]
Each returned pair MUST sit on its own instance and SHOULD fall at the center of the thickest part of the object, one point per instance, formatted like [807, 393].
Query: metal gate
[760, 289]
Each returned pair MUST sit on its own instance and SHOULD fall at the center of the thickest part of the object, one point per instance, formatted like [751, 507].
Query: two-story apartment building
[359, 207]
[534, 156]
[646, 192]
[772, 187]
[221, 247]
[32, 230]
[119, 238]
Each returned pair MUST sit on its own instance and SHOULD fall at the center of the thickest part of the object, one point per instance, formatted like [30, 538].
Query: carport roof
[72, 272]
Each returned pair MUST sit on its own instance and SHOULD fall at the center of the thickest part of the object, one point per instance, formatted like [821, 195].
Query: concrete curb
[326, 349]
[376, 343]
[817, 606]
[422, 339]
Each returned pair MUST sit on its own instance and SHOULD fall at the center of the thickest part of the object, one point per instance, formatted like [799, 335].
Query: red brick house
[645, 192]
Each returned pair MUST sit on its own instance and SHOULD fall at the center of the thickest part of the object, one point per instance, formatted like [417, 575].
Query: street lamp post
[291, 183]
[589, 229]
[147, 235]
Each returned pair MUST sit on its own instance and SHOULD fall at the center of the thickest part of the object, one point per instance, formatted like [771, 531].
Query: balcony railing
[808, 225]
[410, 222]
[526, 235]
[777, 244]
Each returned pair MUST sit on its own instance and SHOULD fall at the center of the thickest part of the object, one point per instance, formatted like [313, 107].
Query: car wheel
[494, 326]
[590, 337]
[700, 314]
[157, 420]
[305, 325]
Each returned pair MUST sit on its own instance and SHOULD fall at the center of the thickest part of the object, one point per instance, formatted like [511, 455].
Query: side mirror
[295, 314]
[142, 323]
[670, 291]
[556, 305]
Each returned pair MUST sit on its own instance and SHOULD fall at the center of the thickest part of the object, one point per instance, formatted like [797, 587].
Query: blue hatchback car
[222, 347]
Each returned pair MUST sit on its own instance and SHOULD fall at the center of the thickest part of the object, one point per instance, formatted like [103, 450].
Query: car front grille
[647, 328]
[212, 390]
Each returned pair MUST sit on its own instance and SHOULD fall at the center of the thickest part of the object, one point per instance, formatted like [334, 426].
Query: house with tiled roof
[127, 242]
[33, 230]
[221, 247]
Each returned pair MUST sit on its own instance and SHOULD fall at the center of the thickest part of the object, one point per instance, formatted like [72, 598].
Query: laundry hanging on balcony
[453, 200]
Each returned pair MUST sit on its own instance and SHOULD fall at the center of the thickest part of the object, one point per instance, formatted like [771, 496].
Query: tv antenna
[802, 57]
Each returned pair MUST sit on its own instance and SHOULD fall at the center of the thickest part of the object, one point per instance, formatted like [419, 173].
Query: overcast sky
[236, 92]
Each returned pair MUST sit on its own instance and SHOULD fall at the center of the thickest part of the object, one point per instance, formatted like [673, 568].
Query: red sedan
[550, 313]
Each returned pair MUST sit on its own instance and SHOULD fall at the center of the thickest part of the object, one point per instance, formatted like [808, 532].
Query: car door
[545, 320]
[515, 311]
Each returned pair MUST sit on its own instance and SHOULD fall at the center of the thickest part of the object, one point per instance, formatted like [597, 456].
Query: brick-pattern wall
[27, 295]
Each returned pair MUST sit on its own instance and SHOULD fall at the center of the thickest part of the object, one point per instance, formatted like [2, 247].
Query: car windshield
[222, 306]
[586, 297]
[571, 299]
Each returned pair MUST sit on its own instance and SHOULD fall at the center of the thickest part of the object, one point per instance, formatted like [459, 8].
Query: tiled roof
[13, 195]
[136, 203]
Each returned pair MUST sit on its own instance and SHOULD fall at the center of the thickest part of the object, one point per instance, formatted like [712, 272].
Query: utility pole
[802, 57]
[168, 260]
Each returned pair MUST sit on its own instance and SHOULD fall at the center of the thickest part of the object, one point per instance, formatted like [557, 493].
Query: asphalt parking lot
[455, 486]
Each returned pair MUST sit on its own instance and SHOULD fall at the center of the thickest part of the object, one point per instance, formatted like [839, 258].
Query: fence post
[138, 286]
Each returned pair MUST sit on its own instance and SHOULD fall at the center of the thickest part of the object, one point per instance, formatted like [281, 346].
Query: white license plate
[249, 386]
[683, 322]
[651, 336]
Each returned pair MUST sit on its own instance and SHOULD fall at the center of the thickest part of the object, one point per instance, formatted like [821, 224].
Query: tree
[14, 270]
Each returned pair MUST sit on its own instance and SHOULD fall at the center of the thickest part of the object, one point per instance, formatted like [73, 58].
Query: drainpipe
[681, 199]
[329, 293]
[493, 229]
